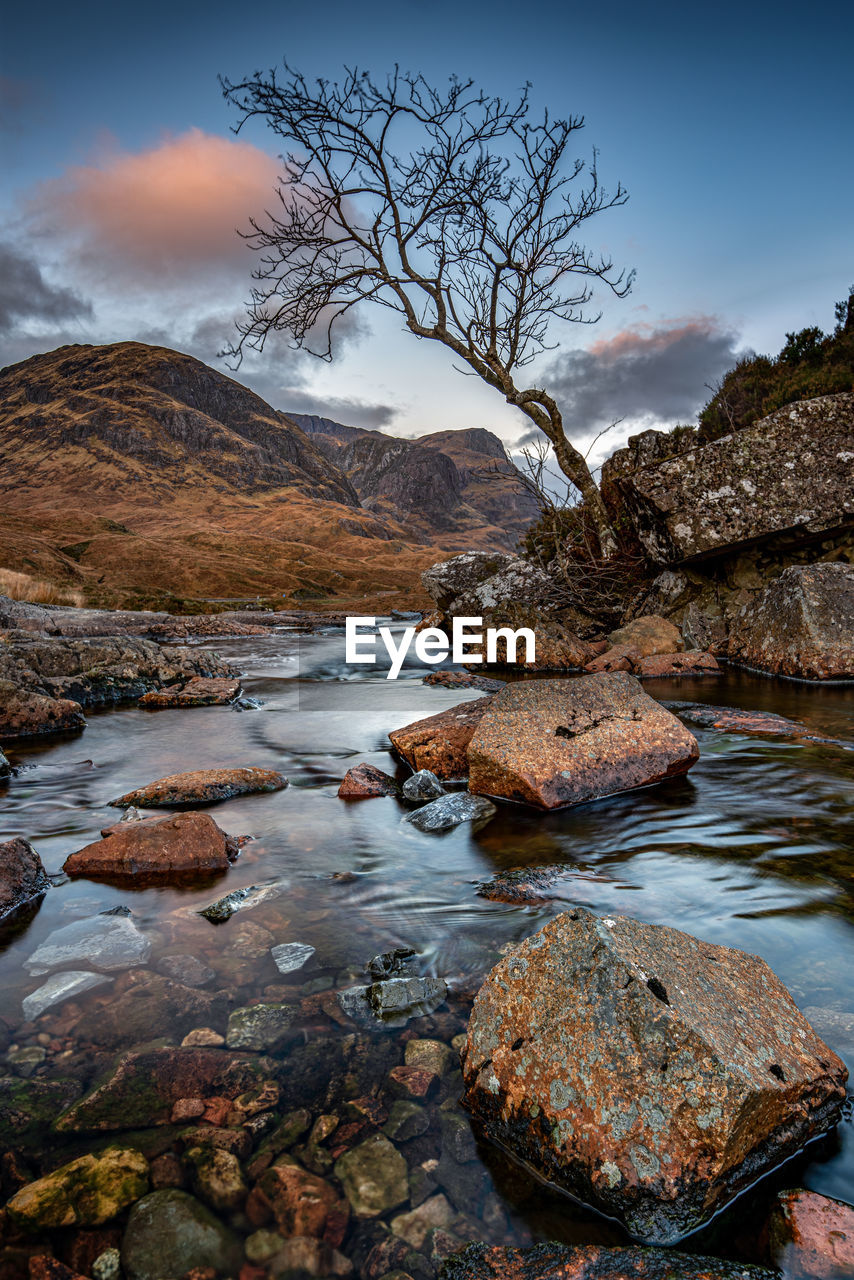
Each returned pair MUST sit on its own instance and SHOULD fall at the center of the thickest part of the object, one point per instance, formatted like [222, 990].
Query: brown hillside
[141, 475]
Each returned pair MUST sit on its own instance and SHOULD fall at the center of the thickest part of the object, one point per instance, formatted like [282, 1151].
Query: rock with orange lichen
[440, 743]
[812, 1236]
[647, 1073]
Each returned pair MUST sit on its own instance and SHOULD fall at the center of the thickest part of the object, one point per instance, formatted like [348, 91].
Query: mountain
[142, 475]
[442, 482]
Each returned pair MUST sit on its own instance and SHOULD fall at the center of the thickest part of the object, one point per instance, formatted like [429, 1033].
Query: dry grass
[20, 586]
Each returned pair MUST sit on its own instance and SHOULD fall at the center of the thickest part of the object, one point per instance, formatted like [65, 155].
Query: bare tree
[451, 207]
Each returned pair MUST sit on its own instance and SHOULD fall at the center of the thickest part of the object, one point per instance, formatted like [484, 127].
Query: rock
[106, 942]
[422, 786]
[647, 1073]
[26, 1059]
[187, 970]
[463, 680]
[736, 720]
[239, 900]
[374, 1177]
[412, 1082]
[364, 781]
[144, 1086]
[406, 997]
[42, 1267]
[302, 1203]
[85, 1193]
[203, 786]
[28, 1108]
[559, 742]
[440, 743]
[521, 885]
[801, 625]
[290, 956]
[200, 1037]
[690, 663]
[147, 1007]
[25, 713]
[179, 846]
[591, 1262]
[390, 962]
[648, 635]
[812, 1236]
[217, 1177]
[622, 657]
[108, 1265]
[414, 1226]
[5, 767]
[303, 1256]
[453, 811]
[22, 875]
[429, 1055]
[259, 1026]
[59, 987]
[199, 691]
[477, 582]
[790, 471]
[169, 1232]
[406, 1120]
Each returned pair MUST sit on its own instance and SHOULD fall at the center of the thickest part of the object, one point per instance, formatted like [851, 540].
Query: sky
[123, 186]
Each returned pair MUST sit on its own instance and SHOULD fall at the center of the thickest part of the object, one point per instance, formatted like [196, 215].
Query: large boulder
[790, 471]
[478, 582]
[22, 875]
[184, 844]
[648, 635]
[648, 1073]
[87, 1192]
[559, 742]
[440, 743]
[591, 1262]
[801, 625]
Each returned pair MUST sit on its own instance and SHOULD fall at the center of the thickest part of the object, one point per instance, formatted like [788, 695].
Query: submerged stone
[591, 1262]
[169, 1233]
[374, 1177]
[259, 1026]
[290, 956]
[452, 811]
[406, 997]
[106, 941]
[59, 987]
[85, 1193]
[644, 1071]
[238, 900]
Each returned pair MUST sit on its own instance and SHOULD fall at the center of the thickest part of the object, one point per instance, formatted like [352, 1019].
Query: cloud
[352, 413]
[645, 374]
[26, 296]
[160, 216]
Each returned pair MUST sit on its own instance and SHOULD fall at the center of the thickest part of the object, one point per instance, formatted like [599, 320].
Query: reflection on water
[753, 849]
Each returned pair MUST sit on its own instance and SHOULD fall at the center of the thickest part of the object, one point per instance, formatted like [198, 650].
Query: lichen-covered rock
[551, 743]
[811, 1236]
[591, 1262]
[801, 625]
[22, 875]
[648, 1073]
[791, 470]
[182, 845]
[363, 782]
[648, 635]
[199, 691]
[202, 786]
[458, 578]
[440, 743]
[374, 1177]
[85, 1193]
[170, 1232]
[25, 713]
[217, 1177]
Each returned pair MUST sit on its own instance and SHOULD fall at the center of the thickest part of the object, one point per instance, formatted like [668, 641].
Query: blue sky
[730, 125]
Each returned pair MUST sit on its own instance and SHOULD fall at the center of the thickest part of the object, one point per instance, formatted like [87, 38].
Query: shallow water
[753, 849]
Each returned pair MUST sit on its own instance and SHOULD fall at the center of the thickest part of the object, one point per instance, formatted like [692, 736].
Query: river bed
[753, 849]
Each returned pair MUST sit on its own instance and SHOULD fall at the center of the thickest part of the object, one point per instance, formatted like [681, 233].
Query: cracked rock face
[559, 742]
[801, 625]
[648, 1073]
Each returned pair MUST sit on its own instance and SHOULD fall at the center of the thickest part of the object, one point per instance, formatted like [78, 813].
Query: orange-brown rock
[737, 720]
[621, 657]
[202, 786]
[591, 1262]
[364, 781]
[25, 714]
[648, 635]
[812, 1236]
[197, 692]
[559, 742]
[301, 1203]
[44, 1267]
[694, 662]
[463, 680]
[644, 1071]
[440, 743]
[182, 845]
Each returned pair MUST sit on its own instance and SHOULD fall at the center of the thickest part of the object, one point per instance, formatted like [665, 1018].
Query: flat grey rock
[59, 987]
[451, 811]
[290, 956]
[106, 942]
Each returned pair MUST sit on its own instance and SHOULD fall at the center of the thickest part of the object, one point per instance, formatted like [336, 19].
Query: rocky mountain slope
[142, 475]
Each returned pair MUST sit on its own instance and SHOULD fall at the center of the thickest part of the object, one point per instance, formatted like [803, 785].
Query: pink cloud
[172, 209]
[646, 339]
